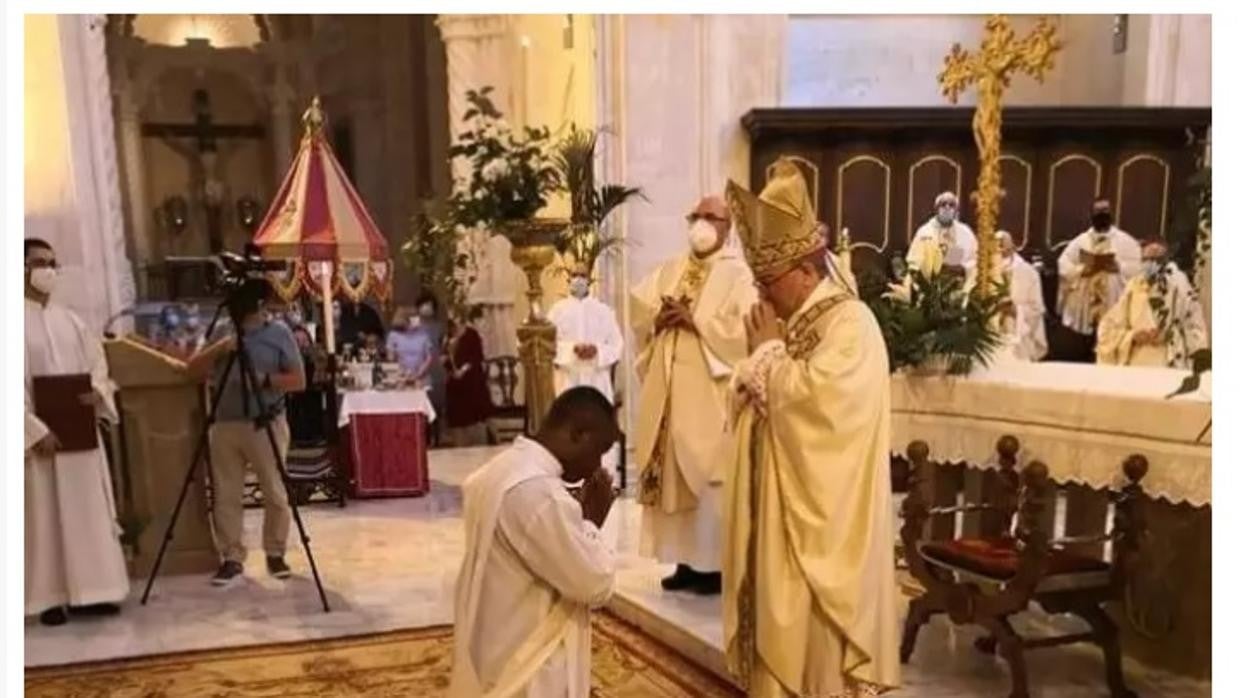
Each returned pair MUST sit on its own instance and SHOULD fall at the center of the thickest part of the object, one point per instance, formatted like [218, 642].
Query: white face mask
[1152, 267]
[579, 287]
[413, 322]
[44, 279]
[703, 237]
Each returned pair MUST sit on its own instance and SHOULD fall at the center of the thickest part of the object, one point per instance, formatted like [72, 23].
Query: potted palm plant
[587, 237]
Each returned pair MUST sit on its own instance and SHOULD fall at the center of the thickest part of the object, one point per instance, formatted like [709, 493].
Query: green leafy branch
[939, 322]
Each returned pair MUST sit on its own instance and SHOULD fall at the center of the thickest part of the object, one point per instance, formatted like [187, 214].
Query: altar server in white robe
[1094, 269]
[535, 561]
[73, 551]
[588, 342]
[1157, 321]
[1024, 314]
[944, 242]
[688, 318]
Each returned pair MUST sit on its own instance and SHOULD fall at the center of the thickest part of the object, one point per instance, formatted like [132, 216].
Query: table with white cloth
[385, 437]
[1082, 421]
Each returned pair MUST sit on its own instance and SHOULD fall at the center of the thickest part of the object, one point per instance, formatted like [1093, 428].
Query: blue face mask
[579, 286]
[946, 216]
[1152, 267]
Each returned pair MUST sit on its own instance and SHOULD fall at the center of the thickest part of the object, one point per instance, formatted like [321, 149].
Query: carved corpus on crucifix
[205, 157]
[1000, 55]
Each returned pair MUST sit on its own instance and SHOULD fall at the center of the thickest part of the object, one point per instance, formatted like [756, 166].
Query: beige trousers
[235, 445]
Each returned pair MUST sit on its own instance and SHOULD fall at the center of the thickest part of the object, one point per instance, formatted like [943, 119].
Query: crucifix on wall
[204, 155]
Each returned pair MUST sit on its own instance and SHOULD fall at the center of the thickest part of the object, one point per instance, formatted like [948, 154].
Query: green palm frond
[574, 158]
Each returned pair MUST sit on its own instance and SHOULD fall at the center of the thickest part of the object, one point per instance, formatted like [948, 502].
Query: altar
[1082, 421]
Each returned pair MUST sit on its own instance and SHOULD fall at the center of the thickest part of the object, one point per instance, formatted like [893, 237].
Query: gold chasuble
[810, 601]
[682, 430]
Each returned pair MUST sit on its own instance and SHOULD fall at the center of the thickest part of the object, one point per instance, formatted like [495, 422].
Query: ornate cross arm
[961, 69]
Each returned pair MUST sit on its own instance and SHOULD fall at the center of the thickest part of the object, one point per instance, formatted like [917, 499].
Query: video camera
[237, 269]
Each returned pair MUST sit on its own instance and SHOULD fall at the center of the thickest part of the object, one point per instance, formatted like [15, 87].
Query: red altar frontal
[385, 444]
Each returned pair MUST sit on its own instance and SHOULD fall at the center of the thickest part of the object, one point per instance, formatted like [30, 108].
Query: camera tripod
[247, 378]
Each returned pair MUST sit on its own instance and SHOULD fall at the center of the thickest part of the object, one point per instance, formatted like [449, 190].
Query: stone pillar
[479, 53]
[71, 184]
[281, 97]
[140, 228]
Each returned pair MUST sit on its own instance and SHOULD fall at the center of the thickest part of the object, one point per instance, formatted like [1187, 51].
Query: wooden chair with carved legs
[986, 579]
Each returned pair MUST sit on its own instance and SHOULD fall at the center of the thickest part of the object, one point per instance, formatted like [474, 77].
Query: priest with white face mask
[74, 560]
[1023, 322]
[944, 242]
[688, 319]
[588, 342]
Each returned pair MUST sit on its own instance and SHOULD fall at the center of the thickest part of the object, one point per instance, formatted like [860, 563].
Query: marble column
[281, 98]
[72, 196]
[480, 53]
[140, 214]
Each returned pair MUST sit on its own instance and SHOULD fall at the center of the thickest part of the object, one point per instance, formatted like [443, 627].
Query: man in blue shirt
[238, 438]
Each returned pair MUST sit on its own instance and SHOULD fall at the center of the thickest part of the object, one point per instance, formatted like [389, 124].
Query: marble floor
[390, 564]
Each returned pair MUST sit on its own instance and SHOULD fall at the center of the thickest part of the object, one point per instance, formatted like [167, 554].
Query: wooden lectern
[162, 415]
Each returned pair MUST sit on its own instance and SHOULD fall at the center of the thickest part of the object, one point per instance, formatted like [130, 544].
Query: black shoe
[707, 584]
[95, 609]
[277, 567]
[53, 616]
[229, 573]
[682, 579]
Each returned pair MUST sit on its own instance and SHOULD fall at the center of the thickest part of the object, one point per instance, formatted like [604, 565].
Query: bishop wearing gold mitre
[810, 605]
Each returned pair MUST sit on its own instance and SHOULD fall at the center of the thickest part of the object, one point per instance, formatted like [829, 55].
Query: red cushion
[998, 558]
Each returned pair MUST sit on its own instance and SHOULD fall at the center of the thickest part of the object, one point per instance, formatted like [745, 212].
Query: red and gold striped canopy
[318, 221]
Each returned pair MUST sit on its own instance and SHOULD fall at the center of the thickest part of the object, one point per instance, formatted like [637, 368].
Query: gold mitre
[778, 228]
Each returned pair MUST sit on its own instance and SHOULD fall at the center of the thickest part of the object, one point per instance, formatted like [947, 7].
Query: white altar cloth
[1081, 420]
[385, 402]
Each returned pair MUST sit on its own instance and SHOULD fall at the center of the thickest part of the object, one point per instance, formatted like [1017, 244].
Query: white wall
[894, 60]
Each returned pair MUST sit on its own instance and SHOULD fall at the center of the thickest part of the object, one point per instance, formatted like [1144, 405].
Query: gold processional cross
[1000, 54]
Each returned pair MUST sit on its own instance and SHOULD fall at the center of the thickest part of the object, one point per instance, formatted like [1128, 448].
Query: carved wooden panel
[882, 199]
[929, 175]
[1074, 183]
[863, 199]
[1017, 178]
[1142, 195]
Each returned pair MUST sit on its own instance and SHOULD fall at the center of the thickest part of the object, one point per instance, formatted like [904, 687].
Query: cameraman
[238, 436]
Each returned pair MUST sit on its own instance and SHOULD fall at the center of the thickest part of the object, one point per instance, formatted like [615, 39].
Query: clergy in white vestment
[1157, 321]
[1023, 323]
[535, 562]
[1094, 269]
[944, 242]
[588, 342]
[810, 596]
[73, 550]
[687, 318]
